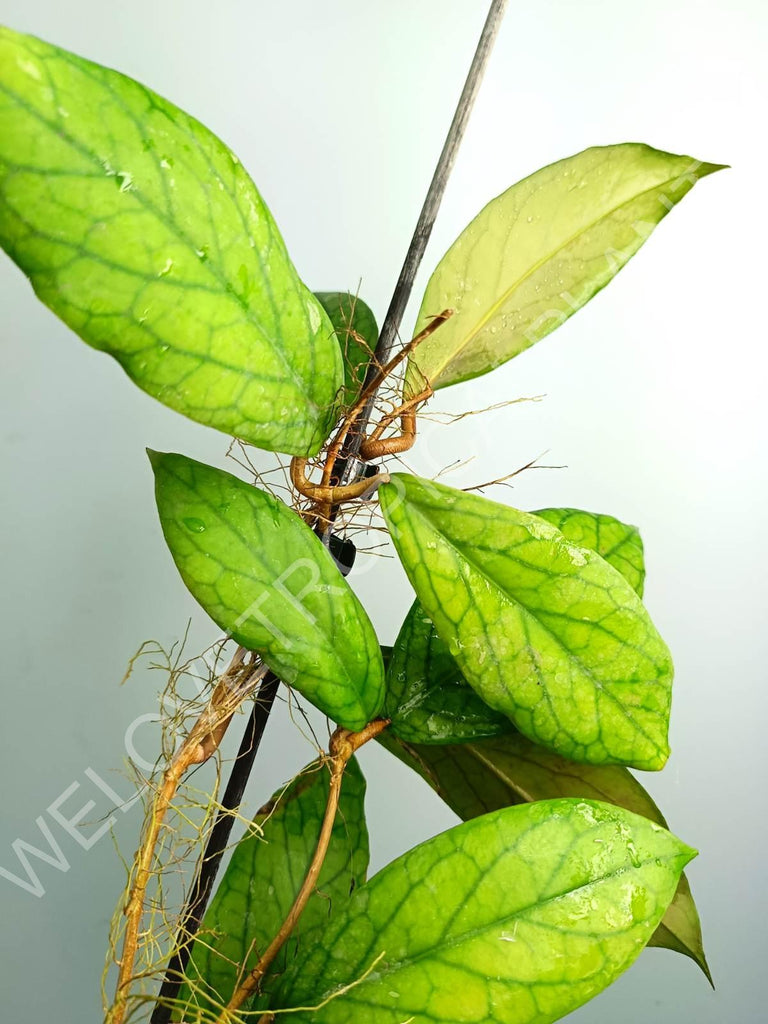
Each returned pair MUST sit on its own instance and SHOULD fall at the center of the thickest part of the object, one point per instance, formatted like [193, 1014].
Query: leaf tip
[707, 168]
[687, 852]
[701, 960]
[155, 458]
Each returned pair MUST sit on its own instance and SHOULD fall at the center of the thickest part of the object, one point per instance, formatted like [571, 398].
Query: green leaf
[141, 230]
[357, 333]
[618, 543]
[428, 699]
[263, 879]
[545, 631]
[483, 776]
[517, 917]
[266, 578]
[386, 655]
[540, 251]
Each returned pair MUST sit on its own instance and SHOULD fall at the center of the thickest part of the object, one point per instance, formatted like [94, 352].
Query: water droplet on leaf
[194, 524]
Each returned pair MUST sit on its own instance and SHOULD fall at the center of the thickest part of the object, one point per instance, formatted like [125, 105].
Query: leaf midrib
[502, 776]
[313, 626]
[480, 930]
[494, 308]
[511, 600]
[171, 224]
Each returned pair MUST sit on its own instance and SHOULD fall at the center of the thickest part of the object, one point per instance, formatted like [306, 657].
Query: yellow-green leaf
[540, 251]
[618, 543]
[546, 632]
[486, 775]
[267, 579]
[141, 230]
[517, 917]
[428, 699]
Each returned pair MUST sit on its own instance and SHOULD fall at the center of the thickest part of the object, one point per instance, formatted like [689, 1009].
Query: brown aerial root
[202, 741]
[376, 447]
[342, 746]
[325, 494]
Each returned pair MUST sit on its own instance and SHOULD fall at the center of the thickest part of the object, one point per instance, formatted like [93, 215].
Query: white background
[655, 404]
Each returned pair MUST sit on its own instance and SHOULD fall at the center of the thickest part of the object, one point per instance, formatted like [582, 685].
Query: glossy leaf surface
[545, 631]
[263, 878]
[428, 699]
[540, 251]
[267, 580]
[517, 917]
[357, 333]
[474, 778]
[618, 543]
[141, 230]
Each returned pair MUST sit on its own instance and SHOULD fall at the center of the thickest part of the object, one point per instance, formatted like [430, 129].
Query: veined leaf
[263, 879]
[540, 251]
[618, 543]
[386, 655]
[428, 699]
[517, 917]
[141, 230]
[477, 777]
[357, 332]
[265, 577]
[545, 631]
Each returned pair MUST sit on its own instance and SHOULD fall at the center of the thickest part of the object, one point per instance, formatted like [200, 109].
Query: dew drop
[29, 68]
[194, 525]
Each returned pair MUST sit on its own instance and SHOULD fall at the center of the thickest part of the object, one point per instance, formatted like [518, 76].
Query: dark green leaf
[141, 230]
[263, 879]
[428, 699]
[475, 778]
[618, 543]
[266, 578]
[545, 631]
[517, 917]
[386, 655]
[357, 331]
[540, 251]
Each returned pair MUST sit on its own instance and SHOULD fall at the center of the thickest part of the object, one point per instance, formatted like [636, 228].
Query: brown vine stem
[202, 741]
[342, 746]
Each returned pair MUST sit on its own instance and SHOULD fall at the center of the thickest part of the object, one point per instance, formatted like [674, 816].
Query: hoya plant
[528, 677]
